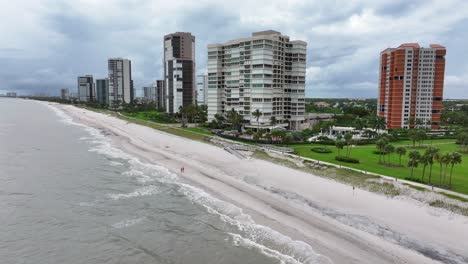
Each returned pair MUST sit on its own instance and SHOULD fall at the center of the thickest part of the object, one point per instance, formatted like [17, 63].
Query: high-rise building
[179, 70]
[120, 82]
[160, 94]
[149, 93]
[202, 89]
[102, 91]
[64, 94]
[411, 86]
[266, 72]
[86, 88]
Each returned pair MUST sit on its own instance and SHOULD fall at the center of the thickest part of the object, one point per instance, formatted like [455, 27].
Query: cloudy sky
[46, 44]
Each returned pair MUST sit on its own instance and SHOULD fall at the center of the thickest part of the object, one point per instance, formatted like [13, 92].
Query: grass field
[369, 161]
[152, 116]
[198, 130]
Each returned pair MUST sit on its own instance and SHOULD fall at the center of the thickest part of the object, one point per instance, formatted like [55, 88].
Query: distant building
[179, 70]
[160, 94]
[202, 89]
[64, 94]
[11, 94]
[149, 93]
[411, 85]
[322, 104]
[102, 91]
[120, 82]
[86, 88]
[266, 72]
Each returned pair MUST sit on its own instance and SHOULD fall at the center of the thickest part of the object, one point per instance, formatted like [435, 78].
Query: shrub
[378, 152]
[346, 159]
[321, 150]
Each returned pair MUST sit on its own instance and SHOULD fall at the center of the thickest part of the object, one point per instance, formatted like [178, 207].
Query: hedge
[321, 150]
[346, 159]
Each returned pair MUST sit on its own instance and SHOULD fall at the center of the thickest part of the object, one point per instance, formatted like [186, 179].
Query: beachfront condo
[202, 85]
[264, 72]
[179, 70]
[120, 82]
[411, 86]
[86, 91]
[160, 94]
[102, 91]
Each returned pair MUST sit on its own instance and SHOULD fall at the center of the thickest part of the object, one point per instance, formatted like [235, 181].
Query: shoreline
[321, 212]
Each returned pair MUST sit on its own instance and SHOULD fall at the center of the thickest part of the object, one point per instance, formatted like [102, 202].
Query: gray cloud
[59, 41]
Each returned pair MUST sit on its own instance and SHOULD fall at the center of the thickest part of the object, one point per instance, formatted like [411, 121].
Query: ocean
[68, 196]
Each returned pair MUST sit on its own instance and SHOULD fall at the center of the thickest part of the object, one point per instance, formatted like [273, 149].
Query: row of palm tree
[429, 157]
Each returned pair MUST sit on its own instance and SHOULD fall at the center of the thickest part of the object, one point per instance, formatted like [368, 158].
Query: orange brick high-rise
[411, 85]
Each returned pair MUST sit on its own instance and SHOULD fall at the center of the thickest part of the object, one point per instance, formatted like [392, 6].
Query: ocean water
[68, 196]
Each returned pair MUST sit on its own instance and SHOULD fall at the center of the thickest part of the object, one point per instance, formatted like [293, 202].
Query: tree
[413, 136]
[446, 161]
[359, 123]
[389, 149]
[421, 136]
[339, 145]
[380, 144]
[379, 123]
[455, 158]
[400, 151]
[273, 120]
[234, 118]
[413, 162]
[431, 153]
[348, 139]
[425, 162]
[439, 158]
[257, 114]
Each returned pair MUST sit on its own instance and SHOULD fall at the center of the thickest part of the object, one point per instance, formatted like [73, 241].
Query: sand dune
[344, 226]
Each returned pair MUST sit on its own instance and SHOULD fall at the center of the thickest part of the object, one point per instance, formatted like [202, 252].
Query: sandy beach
[340, 224]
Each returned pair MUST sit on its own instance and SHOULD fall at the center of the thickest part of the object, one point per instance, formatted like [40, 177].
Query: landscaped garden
[370, 159]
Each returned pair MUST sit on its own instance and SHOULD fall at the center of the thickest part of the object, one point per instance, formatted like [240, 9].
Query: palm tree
[413, 136]
[339, 145]
[414, 157]
[431, 152]
[446, 161]
[389, 149]
[348, 139]
[455, 158]
[379, 123]
[359, 123]
[273, 120]
[257, 114]
[400, 151]
[380, 144]
[438, 157]
[424, 161]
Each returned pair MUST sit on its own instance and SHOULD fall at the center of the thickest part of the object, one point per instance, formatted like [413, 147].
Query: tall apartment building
[202, 89]
[160, 94]
[86, 91]
[120, 82]
[179, 70]
[64, 94]
[102, 91]
[266, 72]
[149, 93]
[411, 85]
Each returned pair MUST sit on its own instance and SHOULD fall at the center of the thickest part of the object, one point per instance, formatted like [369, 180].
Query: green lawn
[369, 161]
[153, 116]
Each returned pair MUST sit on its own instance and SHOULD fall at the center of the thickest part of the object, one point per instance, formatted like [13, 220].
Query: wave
[143, 191]
[127, 223]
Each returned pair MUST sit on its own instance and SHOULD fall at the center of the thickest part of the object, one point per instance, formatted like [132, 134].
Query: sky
[46, 44]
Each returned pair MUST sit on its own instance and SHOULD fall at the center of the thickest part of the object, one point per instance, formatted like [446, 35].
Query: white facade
[264, 72]
[120, 81]
[202, 89]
